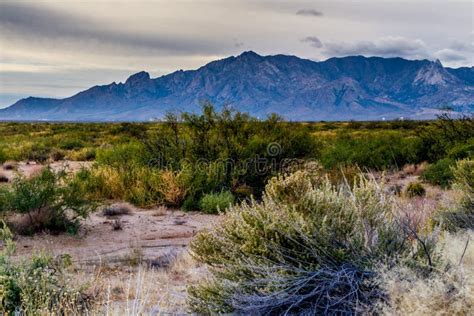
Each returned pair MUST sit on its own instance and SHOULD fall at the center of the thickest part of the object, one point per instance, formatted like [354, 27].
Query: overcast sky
[57, 48]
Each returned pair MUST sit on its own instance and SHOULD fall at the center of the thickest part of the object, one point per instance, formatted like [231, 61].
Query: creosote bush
[214, 202]
[51, 201]
[307, 248]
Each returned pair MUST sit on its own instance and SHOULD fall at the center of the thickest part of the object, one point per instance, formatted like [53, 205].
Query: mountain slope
[336, 89]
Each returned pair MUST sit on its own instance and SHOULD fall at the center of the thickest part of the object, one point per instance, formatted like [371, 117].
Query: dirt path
[154, 236]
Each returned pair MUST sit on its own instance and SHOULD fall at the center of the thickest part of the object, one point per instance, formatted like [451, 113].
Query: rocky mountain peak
[434, 74]
[138, 77]
[249, 55]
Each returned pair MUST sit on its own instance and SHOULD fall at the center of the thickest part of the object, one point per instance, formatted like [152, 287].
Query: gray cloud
[313, 41]
[450, 55]
[35, 24]
[385, 47]
[309, 12]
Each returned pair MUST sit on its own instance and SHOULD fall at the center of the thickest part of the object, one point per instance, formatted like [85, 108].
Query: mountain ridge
[339, 88]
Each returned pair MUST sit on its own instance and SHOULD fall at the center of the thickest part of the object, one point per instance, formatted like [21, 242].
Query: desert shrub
[378, 150]
[39, 286]
[439, 173]
[52, 201]
[135, 130]
[173, 187]
[121, 156]
[462, 151]
[57, 155]
[39, 152]
[462, 214]
[133, 183]
[3, 156]
[415, 189]
[307, 248]
[214, 202]
[446, 136]
[228, 142]
[343, 174]
[117, 209]
[83, 154]
[70, 144]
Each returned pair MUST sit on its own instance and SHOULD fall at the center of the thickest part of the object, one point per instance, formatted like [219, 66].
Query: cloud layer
[309, 12]
[33, 24]
[75, 44]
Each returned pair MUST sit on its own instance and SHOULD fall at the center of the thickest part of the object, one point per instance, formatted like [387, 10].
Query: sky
[58, 48]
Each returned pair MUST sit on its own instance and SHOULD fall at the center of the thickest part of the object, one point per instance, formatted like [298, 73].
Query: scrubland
[221, 213]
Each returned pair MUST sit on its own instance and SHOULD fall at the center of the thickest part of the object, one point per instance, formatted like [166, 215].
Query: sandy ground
[29, 169]
[153, 236]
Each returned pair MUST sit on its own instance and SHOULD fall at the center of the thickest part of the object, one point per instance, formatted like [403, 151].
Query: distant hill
[357, 87]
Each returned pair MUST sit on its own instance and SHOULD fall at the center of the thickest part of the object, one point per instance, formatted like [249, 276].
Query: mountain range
[347, 88]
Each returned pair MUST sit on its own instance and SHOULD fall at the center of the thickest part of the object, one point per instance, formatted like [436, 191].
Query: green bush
[133, 183]
[123, 155]
[307, 248]
[462, 215]
[83, 154]
[462, 151]
[3, 156]
[415, 189]
[36, 152]
[38, 286]
[214, 202]
[377, 150]
[439, 173]
[70, 144]
[446, 136]
[46, 199]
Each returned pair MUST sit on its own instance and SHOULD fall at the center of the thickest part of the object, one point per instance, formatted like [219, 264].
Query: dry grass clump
[414, 169]
[173, 188]
[117, 209]
[446, 292]
[117, 224]
[145, 291]
[160, 211]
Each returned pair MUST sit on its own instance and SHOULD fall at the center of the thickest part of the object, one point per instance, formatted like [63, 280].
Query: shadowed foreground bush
[307, 248]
